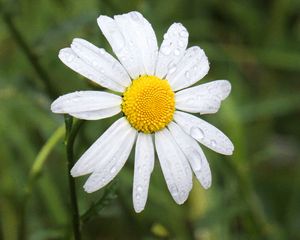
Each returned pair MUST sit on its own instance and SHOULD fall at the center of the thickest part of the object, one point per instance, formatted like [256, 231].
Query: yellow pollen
[149, 104]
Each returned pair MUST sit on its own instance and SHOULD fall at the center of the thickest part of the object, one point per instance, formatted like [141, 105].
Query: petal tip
[102, 19]
[74, 172]
[55, 107]
[138, 209]
[226, 88]
[181, 197]
[66, 55]
[89, 188]
[206, 185]
[230, 149]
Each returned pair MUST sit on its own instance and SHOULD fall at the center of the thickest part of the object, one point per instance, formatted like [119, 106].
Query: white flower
[151, 82]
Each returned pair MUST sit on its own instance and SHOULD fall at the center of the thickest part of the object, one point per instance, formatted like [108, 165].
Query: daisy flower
[152, 90]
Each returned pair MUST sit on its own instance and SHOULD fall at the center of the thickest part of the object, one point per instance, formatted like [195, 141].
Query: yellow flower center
[149, 104]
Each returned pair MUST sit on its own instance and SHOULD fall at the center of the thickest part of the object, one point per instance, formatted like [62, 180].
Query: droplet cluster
[149, 104]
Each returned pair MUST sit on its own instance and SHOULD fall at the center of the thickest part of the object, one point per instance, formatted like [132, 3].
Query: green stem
[71, 132]
[35, 172]
[43, 154]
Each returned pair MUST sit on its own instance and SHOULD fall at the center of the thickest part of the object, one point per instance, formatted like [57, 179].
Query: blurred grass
[255, 193]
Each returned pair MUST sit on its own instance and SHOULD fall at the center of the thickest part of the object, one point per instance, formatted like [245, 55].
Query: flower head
[154, 98]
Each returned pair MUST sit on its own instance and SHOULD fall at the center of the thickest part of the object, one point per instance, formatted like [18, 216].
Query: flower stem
[71, 132]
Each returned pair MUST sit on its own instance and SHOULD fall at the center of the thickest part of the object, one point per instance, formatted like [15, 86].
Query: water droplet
[184, 33]
[139, 188]
[213, 143]
[76, 46]
[166, 50]
[70, 57]
[138, 196]
[187, 74]
[123, 58]
[113, 170]
[182, 194]
[197, 133]
[102, 51]
[173, 190]
[177, 52]
[95, 63]
[172, 70]
[134, 16]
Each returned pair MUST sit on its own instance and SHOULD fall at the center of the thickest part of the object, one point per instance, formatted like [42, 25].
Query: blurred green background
[255, 193]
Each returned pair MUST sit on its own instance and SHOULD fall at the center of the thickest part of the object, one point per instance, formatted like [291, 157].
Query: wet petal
[204, 133]
[143, 167]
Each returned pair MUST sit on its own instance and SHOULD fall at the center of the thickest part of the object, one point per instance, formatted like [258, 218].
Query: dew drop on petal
[184, 33]
[182, 194]
[138, 196]
[213, 143]
[187, 74]
[177, 52]
[95, 63]
[172, 70]
[112, 170]
[197, 133]
[101, 51]
[70, 58]
[173, 191]
[134, 16]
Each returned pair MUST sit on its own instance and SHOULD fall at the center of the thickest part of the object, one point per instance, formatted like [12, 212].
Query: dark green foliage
[255, 193]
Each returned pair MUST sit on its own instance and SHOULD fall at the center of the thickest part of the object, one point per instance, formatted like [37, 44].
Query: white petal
[85, 101]
[175, 167]
[89, 105]
[143, 167]
[103, 149]
[204, 133]
[139, 32]
[101, 61]
[133, 40]
[104, 173]
[193, 153]
[205, 98]
[171, 50]
[69, 57]
[192, 67]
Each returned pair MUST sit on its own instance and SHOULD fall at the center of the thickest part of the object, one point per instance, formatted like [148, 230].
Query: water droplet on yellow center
[149, 104]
